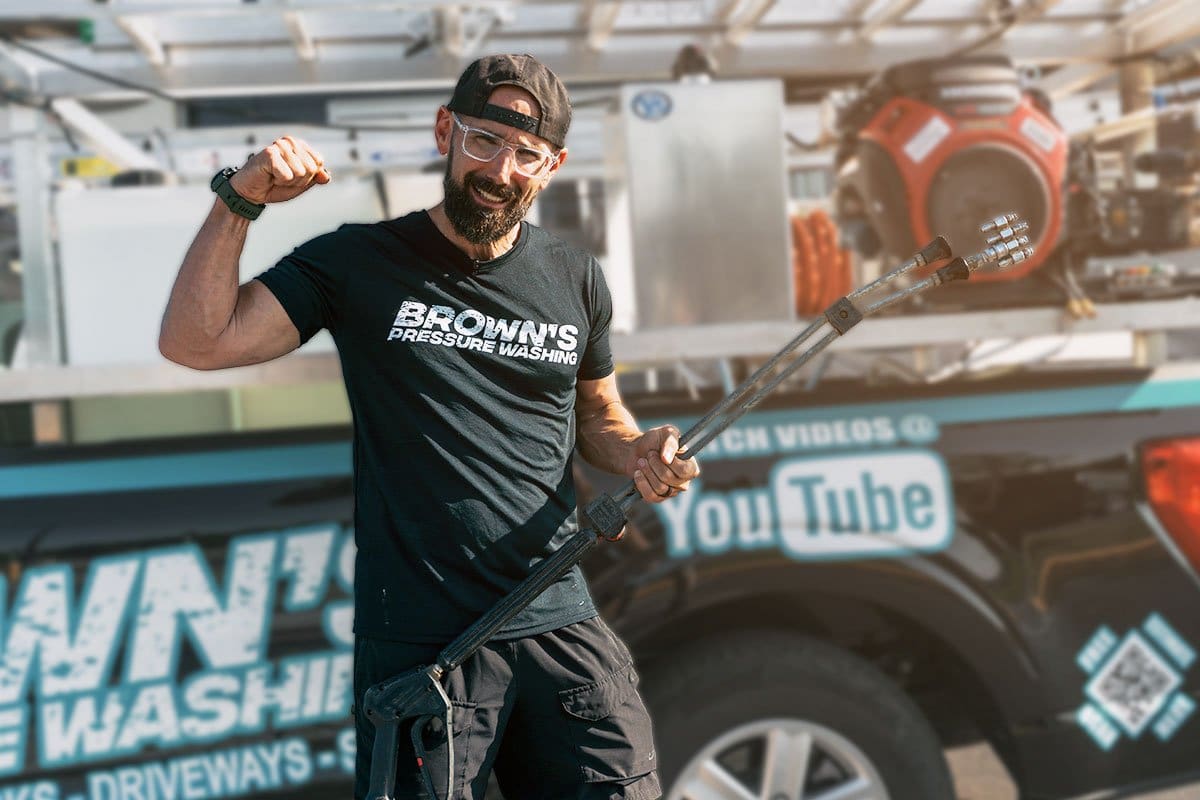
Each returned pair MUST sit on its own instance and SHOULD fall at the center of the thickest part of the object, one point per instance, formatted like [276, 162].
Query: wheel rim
[779, 759]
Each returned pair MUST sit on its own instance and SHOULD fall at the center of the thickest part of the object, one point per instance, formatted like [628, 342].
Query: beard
[475, 223]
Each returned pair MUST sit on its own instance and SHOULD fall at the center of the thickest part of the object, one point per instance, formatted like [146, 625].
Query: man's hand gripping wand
[417, 697]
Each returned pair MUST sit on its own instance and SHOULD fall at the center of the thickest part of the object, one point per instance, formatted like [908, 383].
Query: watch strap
[236, 203]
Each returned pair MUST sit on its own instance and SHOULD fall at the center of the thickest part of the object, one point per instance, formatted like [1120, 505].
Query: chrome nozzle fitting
[1007, 232]
[1017, 256]
[998, 222]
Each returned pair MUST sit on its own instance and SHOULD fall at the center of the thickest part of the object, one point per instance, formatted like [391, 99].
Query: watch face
[221, 177]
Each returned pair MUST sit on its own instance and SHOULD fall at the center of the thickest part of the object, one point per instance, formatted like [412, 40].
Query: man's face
[485, 200]
[482, 210]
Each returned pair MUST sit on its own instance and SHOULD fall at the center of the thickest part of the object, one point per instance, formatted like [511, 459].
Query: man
[475, 352]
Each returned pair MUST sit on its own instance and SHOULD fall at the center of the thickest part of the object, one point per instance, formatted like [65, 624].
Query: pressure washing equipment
[935, 144]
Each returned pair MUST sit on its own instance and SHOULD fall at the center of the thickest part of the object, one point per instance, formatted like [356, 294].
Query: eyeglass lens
[485, 146]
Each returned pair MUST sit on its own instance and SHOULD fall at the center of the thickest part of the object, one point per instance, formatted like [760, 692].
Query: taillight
[1172, 470]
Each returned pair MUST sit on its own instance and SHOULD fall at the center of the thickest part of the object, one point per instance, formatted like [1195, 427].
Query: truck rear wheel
[781, 717]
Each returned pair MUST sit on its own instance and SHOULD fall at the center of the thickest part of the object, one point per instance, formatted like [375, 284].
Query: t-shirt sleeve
[308, 283]
[597, 359]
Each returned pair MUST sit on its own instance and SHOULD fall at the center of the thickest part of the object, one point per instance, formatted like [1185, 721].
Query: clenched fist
[284, 169]
[653, 465]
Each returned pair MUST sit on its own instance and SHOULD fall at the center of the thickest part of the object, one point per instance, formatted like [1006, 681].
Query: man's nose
[501, 168]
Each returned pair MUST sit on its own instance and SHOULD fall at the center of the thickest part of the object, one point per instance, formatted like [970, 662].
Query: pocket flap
[598, 700]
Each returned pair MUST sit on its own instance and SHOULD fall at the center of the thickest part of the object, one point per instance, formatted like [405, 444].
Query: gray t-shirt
[461, 379]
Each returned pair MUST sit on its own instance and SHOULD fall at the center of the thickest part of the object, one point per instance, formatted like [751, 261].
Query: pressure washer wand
[417, 696]
[607, 512]
[1007, 246]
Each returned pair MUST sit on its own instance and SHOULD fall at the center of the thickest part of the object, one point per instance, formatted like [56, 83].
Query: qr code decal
[1133, 684]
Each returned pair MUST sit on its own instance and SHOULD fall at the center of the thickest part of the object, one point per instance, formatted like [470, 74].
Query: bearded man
[475, 351]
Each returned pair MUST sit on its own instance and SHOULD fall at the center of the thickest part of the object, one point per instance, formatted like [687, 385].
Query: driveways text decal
[104, 670]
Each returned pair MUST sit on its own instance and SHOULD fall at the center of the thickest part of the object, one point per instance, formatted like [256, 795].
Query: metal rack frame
[229, 47]
[664, 347]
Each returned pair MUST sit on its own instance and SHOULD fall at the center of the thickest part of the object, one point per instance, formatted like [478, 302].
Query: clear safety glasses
[482, 145]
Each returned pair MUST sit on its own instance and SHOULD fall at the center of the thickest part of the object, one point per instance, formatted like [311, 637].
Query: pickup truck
[868, 573]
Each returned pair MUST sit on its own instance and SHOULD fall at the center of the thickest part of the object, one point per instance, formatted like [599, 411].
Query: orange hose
[822, 271]
[825, 234]
[805, 268]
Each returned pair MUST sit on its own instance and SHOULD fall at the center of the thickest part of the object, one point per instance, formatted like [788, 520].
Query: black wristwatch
[237, 204]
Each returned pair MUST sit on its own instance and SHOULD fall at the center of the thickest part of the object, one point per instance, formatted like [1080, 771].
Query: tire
[721, 707]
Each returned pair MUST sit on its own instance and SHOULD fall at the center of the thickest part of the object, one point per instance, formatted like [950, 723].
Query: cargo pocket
[610, 728]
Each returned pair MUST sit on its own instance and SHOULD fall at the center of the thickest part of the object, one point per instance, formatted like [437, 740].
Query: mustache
[504, 192]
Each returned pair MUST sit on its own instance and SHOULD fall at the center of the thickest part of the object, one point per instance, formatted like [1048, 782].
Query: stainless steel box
[707, 193]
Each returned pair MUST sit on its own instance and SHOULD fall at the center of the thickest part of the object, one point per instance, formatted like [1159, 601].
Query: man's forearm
[205, 293]
[605, 437]
[608, 437]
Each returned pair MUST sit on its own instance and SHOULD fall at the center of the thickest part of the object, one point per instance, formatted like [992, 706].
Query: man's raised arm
[210, 321]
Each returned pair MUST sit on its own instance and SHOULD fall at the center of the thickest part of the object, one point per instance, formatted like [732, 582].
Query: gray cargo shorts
[556, 715]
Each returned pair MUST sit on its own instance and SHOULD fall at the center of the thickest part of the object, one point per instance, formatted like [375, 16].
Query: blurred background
[736, 166]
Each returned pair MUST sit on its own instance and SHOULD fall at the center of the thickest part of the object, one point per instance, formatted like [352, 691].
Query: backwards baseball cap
[484, 76]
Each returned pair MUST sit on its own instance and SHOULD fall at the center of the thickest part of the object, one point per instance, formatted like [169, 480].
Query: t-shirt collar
[465, 262]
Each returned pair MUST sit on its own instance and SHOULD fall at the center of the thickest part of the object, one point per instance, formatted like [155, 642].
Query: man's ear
[443, 130]
[558, 162]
